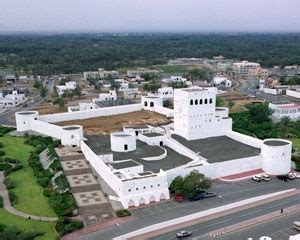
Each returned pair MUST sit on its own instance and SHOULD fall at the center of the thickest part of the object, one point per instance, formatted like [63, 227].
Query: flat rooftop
[219, 149]
[100, 144]
[152, 134]
[136, 127]
[124, 164]
[275, 143]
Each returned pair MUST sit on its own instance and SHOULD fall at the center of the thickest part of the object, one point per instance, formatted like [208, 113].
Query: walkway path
[9, 208]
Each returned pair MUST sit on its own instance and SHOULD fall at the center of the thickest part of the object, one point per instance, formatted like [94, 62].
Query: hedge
[65, 225]
[123, 213]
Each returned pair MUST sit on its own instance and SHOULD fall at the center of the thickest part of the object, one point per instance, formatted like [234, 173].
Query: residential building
[61, 89]
[245, 68]
[281, 110]
[12, 100]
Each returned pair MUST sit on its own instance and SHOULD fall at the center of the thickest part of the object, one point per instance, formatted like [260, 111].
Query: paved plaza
[89, 198]
[74, 165]
[81, 180]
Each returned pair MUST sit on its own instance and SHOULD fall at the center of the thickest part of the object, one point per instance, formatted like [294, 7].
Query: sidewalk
[174, 224]
[9, 208]
[241, 176]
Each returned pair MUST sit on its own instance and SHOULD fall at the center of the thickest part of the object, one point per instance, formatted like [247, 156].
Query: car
[265, 177]
[283, 177]
[178, 198]
[292, 176]
[209, 195]
[196, 197]
[183, 234]
[257, 178]
[25, 105]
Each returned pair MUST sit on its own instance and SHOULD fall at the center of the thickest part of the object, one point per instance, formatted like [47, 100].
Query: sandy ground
[106, 125]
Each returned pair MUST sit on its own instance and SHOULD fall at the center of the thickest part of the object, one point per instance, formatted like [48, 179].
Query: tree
[179, 84]
[36, 84]
[260, 113]
[177, 184]
[59, 101]
[43, 91]
[219, 101]
[284, 125]
[152, 86]
[190, 184]
[77, 91]
[231, 104]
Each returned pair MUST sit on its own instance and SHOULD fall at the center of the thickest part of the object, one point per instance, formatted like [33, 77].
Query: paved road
[231, 192]
[6, 118]
[277, 229]
[249, 87]
[200, 231]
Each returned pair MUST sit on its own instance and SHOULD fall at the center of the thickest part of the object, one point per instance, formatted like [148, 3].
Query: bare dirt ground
[106, 125]
[239, 105]
[47, 108]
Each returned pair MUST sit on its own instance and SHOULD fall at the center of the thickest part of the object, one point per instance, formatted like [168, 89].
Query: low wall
[160, 157]
[46, 128]
[86, 114]
[292, 93]
[101, 168]
[251, 141]
[164, 111]
[220, 169]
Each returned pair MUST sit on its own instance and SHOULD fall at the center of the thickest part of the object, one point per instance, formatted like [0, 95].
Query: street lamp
[122, 230]
[225, 201]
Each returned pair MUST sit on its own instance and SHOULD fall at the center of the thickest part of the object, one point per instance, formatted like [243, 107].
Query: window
[191, 102]
[210, 100]
[196, 102]
[201, 101]
[137, 189]
[125, 147]
[129, 190]
[205, 101]
[144, 187]
[145, 104]
[151, 104]
[158, 185]
[151, 186]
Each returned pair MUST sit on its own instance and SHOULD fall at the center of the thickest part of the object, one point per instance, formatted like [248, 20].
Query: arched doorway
[145, 104]
[131, 203]
[152, 199]
[142, 201]
[151, 104]
[162, 197]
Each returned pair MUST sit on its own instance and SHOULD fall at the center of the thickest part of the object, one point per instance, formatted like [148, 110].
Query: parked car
[265, 177]
[202, 195]
[283, 177]
[257, 178]
[209, 195]
[178, 198]
[183, 234]
[292, 176]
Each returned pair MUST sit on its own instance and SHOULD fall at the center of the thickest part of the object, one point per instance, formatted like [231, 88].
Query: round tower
[24, 118]
[71, 135]
[122, 142]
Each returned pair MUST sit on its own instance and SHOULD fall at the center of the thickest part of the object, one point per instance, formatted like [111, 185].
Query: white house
[281, 110]
[12, 100]
[61, 89]
[293, 93]
[172, 79]
[110, 96]
[165, 92]
[222, 81]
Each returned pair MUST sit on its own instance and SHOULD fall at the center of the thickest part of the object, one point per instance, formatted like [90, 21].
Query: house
[222, 82]
[12, 100]
[281, 110]
[61, 89]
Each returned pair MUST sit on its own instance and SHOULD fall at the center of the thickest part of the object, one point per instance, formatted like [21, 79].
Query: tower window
[201, 101]
[191, 102]
[205, 101]
[210, 100]
[196, 102]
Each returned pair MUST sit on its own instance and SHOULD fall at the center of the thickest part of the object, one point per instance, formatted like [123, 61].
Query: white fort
[140, 162]
[196, 115]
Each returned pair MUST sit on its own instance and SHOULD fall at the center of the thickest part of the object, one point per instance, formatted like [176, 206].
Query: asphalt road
[200, 231]
[230, 191]
[248, 87]
[6, 118]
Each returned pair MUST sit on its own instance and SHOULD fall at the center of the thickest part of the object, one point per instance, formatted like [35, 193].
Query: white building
[173, 79]
[293, 93]
[100, 74]
[61, 89]
[196, 116]
[281, 110]
[110, 96]
[245, 68]
[222, 81]
[141, 71]
[165, 92]
[12, 100]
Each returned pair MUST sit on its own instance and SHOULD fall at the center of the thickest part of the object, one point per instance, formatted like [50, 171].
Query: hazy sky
[149, 15]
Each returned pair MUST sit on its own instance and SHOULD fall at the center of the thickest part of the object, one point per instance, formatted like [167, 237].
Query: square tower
[195, 113]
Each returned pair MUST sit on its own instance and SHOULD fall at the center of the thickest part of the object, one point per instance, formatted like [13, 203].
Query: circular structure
[71, 135]
[23, 120]
[276, 155]
[122, 142]
[150, 102]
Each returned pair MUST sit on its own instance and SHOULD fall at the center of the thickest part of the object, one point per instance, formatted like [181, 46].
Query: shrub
[123, 213]
[56, 166]
[1, 145]
[9, 184]
[12, 197]
[65, 225]
[1, 201]
[11, 232]
[5, 166]
[63, 204]
[2, 153]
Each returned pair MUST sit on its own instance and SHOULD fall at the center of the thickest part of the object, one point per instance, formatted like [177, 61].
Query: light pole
[122, 230]
[225, 201]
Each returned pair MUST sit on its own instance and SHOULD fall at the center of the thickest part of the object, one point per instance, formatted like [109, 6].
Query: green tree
[219, 101]
[77, 91]
[284, 125]
[259, 113]
[231, 104]
[59, 101]
[177, 184]
[179, 84]
[43, 91]
[37, 84]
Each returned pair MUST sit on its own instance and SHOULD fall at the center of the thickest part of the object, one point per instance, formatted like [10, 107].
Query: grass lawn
[172, 69]
[296, 142]
[29, 192]
[29, 225]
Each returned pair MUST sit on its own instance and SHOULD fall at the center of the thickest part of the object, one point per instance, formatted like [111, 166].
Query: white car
[292, 176]
[183, 234]
[265, 177]
[257, 178]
